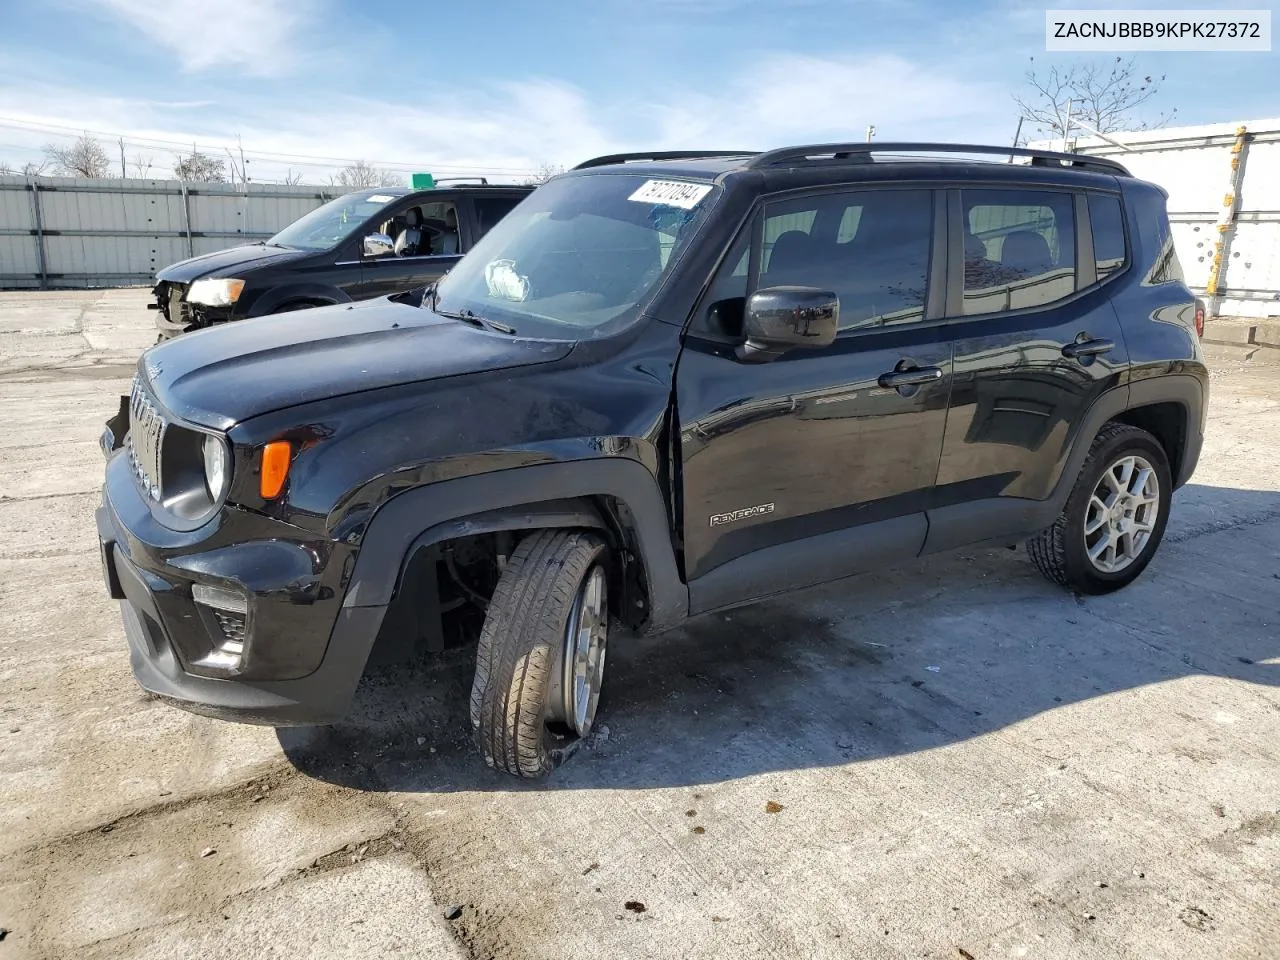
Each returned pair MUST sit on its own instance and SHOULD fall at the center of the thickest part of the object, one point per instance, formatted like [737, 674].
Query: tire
[518, 717]
[1062, 553]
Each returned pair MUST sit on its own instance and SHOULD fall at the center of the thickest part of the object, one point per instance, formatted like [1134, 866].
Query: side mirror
[779, 319]
[378, 245]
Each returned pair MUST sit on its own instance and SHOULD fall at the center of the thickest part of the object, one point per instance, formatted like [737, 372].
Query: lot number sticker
[671, 193]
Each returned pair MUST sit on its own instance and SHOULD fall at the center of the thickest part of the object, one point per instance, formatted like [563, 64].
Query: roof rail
[484, 181]
[860, 152]
[662, 155]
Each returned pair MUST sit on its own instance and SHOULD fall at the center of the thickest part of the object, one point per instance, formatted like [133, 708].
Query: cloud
[788, 99]
[255, 36]
[511, 128]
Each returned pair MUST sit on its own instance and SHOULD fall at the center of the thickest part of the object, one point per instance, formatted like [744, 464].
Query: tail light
[1199, 317]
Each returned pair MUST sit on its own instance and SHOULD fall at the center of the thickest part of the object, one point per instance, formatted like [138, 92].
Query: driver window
[425, 230]
[440, 229]
[393, 228]
[870, 248]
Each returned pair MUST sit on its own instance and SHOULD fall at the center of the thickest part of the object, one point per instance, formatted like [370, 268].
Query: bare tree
[200, 168]
[362, 174]
[544, 173]
[6, 170]
[84, 158]
[33, 168]
[292, 179]
[1104, 97]
[141, 166]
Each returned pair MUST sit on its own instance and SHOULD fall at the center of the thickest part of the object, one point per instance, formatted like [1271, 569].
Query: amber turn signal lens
[275, 468]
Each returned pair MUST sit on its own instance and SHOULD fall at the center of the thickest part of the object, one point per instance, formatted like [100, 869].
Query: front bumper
[306, 653]
[175, 316]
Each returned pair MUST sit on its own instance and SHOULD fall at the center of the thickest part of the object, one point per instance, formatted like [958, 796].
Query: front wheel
[294, 305]
[1114, 518]
[540, 659]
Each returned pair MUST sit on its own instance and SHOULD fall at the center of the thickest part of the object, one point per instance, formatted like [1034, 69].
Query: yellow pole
[1226, 221]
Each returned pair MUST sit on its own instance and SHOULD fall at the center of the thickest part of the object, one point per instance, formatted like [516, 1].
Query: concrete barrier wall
[58, 232]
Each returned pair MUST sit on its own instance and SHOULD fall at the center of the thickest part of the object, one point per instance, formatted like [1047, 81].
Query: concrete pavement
[949, 759]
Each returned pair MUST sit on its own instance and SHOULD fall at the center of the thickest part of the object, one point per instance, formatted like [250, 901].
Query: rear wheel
[1114, 518]
[540, 659]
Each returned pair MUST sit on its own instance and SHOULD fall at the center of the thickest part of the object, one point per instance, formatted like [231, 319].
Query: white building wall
[1194, 165]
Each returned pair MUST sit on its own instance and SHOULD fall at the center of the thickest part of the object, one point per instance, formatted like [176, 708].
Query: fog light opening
[230, 610]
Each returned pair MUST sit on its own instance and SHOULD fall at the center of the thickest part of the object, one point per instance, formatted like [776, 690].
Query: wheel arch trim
[523, 498]
[276, 297]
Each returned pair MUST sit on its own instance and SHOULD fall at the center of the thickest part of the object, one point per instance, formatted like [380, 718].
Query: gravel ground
[952, 759]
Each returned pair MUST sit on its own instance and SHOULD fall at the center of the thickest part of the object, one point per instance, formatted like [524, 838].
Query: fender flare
[275, 297]
[1183, 389]
[1187, 391]
[539, 496]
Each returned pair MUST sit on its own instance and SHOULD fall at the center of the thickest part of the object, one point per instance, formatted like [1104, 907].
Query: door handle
[1087, 348]
[909, 378]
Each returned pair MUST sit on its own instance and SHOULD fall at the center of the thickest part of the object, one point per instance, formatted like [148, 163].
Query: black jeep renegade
[661, 386]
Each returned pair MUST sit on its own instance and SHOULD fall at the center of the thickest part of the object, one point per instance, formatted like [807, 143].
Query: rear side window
[1019, 249]
[1107, 221]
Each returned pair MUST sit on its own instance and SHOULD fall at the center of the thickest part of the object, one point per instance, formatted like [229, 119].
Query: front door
[819, 463]
[427, 243]
[1036, 342]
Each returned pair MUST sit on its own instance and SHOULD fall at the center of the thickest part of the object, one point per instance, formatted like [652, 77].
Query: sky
[506, 87]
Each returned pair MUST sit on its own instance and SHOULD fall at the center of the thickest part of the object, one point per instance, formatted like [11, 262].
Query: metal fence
[1224, 205]
[58, 232]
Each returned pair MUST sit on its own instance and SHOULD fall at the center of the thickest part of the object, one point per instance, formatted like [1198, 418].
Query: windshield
[329, 225]
[579, 256]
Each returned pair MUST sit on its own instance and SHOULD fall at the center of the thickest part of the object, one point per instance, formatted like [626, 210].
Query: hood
[222, 262]
[226, 374]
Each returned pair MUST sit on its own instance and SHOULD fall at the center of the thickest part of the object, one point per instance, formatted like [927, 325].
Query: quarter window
[1107, 223]
[1019, 249]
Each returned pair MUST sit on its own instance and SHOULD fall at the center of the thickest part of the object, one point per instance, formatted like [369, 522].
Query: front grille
[146, 437]
[169, 299]
[179, 310]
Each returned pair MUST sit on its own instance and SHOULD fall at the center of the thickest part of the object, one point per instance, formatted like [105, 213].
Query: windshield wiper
[473, 318]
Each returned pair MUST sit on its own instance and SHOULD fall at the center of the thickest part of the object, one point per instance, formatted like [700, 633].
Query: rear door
[810, 467]
[1036, 341]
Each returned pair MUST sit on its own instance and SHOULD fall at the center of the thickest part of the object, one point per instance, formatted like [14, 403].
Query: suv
[661, 386]
[362, 245]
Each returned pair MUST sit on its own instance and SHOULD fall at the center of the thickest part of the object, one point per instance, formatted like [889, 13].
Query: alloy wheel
[1122, 514]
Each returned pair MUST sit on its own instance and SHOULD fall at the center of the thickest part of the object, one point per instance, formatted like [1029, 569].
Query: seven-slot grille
[146, 436]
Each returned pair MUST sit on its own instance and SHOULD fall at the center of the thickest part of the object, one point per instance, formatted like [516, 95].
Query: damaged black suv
[661, 386]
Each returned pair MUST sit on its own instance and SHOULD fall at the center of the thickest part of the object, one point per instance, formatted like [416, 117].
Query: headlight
[215, 293]
[217, 467]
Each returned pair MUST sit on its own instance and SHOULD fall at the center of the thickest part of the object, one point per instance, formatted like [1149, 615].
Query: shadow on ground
[930, 654]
